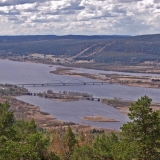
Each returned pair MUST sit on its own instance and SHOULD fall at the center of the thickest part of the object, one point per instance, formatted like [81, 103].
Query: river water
[23, 72]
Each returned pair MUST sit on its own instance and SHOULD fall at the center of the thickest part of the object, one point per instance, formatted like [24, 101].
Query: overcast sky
[61, 17]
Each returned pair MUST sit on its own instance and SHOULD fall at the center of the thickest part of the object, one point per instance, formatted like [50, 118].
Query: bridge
[61, 84]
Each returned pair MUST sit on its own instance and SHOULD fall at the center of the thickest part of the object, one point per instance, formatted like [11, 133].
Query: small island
[99, 119]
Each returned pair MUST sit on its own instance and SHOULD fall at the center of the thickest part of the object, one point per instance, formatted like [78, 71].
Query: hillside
[103, 49]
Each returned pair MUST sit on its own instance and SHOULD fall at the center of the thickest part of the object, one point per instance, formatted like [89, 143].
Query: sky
[79, 17]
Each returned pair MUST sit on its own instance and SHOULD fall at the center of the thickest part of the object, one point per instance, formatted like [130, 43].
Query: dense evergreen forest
[138, 140]
[101, 49]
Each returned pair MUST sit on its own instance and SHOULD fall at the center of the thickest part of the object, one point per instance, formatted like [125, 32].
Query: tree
[143, 131]
[100, 150]
[6, 119]
[22, 139]
[125, 150]
[63, 143]
[69, 142]
[103, 146]
[85, 152]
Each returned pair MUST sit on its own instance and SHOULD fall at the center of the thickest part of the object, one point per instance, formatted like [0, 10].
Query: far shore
[143, 81]
[137, 68]
[136, 81]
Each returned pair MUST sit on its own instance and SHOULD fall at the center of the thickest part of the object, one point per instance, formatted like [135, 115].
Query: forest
[138, 139]
[101, 49]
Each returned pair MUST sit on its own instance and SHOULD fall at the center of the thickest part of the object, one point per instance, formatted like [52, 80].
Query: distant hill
[28, 38]
[106, 49]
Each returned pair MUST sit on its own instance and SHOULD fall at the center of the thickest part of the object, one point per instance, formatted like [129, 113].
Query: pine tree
[143, 131]
[22, 139]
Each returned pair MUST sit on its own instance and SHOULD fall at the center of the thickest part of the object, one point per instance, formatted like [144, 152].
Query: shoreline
[49, 122]
[124, 105]
[127, 80]
[49, 118]
[137, 68]
[27, 111]
[95, 77]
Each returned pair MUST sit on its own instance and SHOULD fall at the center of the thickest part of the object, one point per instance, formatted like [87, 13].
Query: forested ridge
[103, 49]
[138, 140]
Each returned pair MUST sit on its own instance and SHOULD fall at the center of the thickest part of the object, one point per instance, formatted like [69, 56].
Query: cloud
[79, 16]
[9, 13]
[156, 1]
[16, 2]
[128, 1]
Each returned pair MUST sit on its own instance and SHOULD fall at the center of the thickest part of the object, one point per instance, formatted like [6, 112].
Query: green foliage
[143, 131]
[85, 152]
[21, 139]
[104, 144]
[101, 149]
[6, 119]
[69, 142]
[139, 139]
[125, 150]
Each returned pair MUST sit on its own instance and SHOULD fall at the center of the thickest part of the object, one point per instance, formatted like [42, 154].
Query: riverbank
[68, 71]
[23, 110]
[124, 105]
[145, 67]
[128, 80]
[38, 73]
[136, 81]
[27, 111]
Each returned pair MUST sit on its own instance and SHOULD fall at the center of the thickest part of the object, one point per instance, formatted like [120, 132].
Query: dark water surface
[23, 72]
[75, 111]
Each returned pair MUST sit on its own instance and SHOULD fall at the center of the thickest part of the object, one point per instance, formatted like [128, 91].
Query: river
[24, 72]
